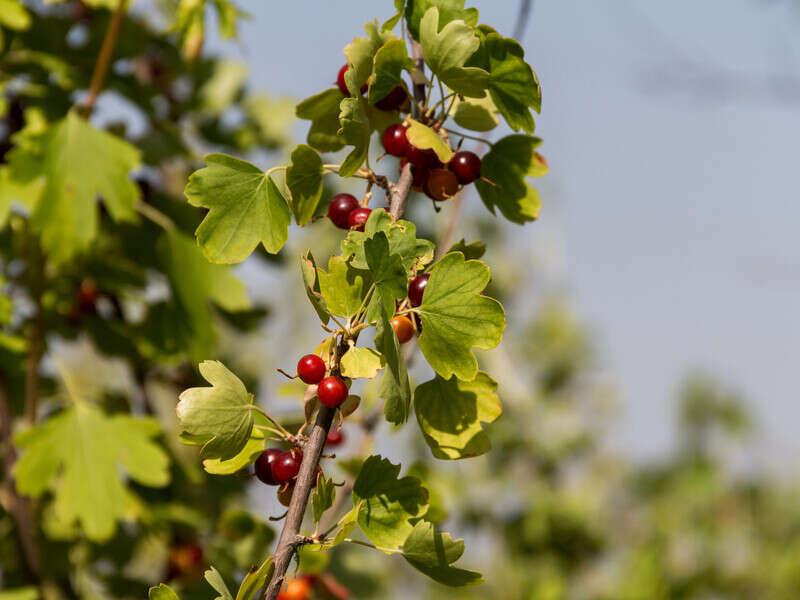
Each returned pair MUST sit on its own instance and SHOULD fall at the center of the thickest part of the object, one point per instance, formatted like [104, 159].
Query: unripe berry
[263, 466]
[286, 465]
[340, 208]
[358, 217]
[466, 165]
[403, 328]
[332, 391]
[416, 287]
[441, 184]
[311, 369]
[394, 140]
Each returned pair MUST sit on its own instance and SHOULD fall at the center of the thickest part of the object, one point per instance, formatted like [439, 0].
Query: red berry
[332, 391]
[296, 589]
[422, 158]
[416, 287]
[420, 176]
[88, 294]
[341, 83]
[335, 438]
[286, 465]
[358, 217]
[394, 140]
[311, 369]
[264, 466]
[466, 165]
[340, 208]
[403, 328]
[441, 184]
[393, 100]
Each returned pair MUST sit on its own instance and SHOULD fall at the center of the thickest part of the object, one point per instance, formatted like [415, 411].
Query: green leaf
[223, 86]
[14, 15]
[386, 503]
[161, 592]
[247, 455]
[477, 114]
[402, 236]
[513, 85]
[215, 580]
[361, 363]
[447, 52]
[245, 208]
[473, 250]
[360, 55]
[355, 131]
[433, 553]
[388, 273]
[342, 287]
[221, 414]
[78, 455]
[456, 317]
[450, 413]
[304, 180]
[392, 21]
[390, 61]
[506, 166]
[24, 193]
[323, 111]
[449, 10]
[395, 388]
[79, 163]
[323, 497]
[255, 580]
[424, 137]
[310, 279]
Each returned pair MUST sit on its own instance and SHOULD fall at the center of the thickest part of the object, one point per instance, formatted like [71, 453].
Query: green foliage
[361, 363]
[395, 387]
[424, 137]
[245, 208]
[449, 10]
[323, 497]
[433, 553]
[388, 274]
[355, 131]
[304, 180]
[456, 317]
[450, 413]
[219, 417]
[322, 110]
[391, 60]
[77, 455]
[342, 287]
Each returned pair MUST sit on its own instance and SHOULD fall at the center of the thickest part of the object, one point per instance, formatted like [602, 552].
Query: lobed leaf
[390, 61]
[343, 287]
[323, 111]
[424, 137]
[433, 553]
[361, 363]
[304, 180]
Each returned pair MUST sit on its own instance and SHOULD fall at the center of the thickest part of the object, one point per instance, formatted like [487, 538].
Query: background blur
[670, 211]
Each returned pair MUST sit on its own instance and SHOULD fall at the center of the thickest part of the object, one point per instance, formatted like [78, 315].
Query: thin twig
[104, 58]
[525, 10]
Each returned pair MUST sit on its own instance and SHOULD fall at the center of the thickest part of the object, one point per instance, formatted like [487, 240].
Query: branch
[525, 9]
[104, 58]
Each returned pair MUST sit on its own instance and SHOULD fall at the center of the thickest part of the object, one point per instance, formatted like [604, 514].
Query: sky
[670, 211]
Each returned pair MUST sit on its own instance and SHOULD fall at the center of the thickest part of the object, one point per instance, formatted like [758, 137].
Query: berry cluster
[437, 180]
[346, 213]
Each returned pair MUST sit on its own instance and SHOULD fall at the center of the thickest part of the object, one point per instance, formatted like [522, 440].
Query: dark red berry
[341, 83]
[441, 184]
[466, 165]
[393, 100]
[264, 466]
[335, 438]
[311, 369]
[403, 328]
[422, 158]
[394, 140]
[416, 287]
[420, 176]
[332, 391]
[340, 208]
[88, 294]
[287, 465]
[358, 217]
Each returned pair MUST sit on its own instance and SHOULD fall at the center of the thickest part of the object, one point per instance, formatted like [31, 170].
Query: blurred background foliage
[551, 513]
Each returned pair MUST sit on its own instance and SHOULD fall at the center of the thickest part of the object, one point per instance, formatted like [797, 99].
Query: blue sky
[671, 209]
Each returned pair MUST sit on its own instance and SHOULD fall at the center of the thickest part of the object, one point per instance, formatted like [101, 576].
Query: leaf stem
[373, 546]
[156, 216]
[469, 137]
[260, 410]
[104, 58]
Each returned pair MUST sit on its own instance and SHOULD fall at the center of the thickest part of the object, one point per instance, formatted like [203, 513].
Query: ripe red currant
[335, 438]
[285, 494]
[341, 82]
[466, 165]
[416, 287]
[332, 391]
[393, 100]
[421, 158]
[394, 140]
[420, 176]
[311, 369]
[403, 328]
[441, 184]
[358, 217]
[286, 465]
[340, 208]
[263, 466]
